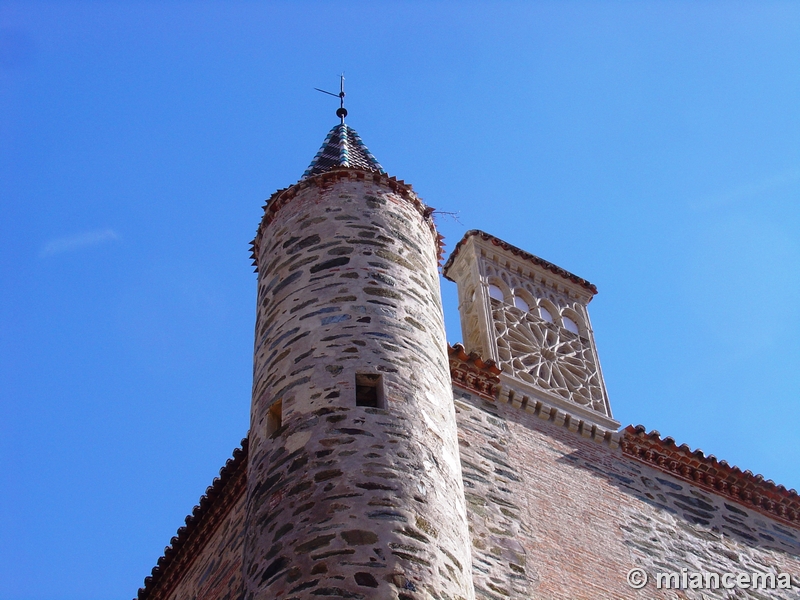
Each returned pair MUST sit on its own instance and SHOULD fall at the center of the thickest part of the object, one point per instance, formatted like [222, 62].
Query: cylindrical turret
[354, 480]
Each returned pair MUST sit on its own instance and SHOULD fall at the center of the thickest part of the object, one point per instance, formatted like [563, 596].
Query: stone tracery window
[547, 358]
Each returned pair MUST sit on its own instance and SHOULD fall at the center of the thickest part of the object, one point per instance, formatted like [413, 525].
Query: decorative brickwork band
[707, 472]
[471, 372]
[324, 180]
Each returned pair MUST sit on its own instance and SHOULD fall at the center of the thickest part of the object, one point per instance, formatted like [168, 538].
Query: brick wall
[552, 515]
[557, 516]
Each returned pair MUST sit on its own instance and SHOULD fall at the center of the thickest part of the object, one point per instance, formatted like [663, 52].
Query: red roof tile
[471, 372]
[200, 525]
[707, 472]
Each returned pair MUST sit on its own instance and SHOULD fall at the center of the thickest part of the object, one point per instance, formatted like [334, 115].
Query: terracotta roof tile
[224, 491]
[471, 372]
[752, 491]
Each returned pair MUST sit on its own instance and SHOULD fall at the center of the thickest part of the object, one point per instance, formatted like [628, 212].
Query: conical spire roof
[342, 148]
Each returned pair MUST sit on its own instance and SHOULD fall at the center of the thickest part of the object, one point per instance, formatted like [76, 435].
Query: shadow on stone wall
[693, 513]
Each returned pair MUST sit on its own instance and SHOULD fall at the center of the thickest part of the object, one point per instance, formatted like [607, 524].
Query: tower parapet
[531, 317]
[354, 480]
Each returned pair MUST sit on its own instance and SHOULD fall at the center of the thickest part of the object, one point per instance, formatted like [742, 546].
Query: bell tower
[354, 486]
[531, 317]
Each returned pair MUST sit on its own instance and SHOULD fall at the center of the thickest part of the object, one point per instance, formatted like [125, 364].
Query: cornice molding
[574, 418]
[485, 379]
[540, 262]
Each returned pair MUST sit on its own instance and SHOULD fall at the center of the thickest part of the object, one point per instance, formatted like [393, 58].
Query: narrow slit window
[369, 390]
[274, 418]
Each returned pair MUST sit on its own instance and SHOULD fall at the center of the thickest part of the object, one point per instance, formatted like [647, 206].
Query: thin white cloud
[76, 241]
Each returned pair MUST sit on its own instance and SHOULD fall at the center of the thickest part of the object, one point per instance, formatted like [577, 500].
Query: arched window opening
[570, 325]
[496, 293]
[545, 314]
[521, 304]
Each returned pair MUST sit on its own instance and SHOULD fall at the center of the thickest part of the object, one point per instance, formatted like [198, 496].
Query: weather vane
[341, 112]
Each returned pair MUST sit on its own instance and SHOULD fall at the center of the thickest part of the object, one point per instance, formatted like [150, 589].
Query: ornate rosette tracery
[547, 356]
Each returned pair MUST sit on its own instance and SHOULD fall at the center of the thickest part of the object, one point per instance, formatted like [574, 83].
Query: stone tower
[366, 476]
[531, 317]
[354, 485]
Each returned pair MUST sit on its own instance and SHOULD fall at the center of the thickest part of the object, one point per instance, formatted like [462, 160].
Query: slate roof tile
[342, 147]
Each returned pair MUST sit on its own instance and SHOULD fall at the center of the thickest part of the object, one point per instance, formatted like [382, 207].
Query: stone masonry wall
[216, 572]
[557, 516]
[350, 501]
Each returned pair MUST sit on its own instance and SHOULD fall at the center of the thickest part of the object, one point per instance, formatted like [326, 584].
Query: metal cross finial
[341, 112]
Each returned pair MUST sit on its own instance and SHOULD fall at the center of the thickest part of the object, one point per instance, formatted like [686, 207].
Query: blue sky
[651, 148]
